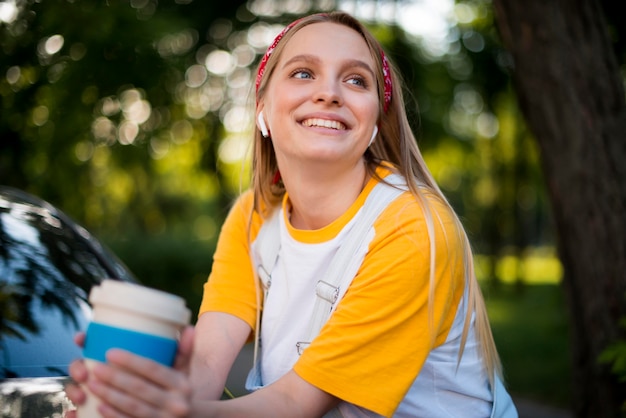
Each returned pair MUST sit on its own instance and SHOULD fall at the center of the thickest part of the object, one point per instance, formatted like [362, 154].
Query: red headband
[270, 49]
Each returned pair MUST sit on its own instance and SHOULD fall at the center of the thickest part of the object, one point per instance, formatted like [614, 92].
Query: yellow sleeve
[374, 345]
[230, 287]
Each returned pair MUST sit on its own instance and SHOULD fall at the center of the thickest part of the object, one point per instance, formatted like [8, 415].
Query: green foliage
[110, 111]
[90, 117]
[615, 355]
[175, 264]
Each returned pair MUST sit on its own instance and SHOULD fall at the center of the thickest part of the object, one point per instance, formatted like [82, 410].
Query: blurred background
[135, 118]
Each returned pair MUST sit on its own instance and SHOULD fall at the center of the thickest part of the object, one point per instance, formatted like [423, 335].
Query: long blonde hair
[395, 144]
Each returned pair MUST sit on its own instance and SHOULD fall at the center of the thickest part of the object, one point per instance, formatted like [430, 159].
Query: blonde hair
[397, 145]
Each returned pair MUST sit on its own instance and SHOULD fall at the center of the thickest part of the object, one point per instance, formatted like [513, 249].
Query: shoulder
[242, 216]
[419, 226]
[239, 216]
[419, 210]
[243, 204]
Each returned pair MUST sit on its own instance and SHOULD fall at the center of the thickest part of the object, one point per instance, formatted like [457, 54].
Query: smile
[324, 123]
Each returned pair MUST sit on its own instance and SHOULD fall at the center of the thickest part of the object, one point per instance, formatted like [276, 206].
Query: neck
[319, 195]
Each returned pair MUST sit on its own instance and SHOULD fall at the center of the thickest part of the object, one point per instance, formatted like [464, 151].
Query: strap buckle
[300, 346]
[327, 291]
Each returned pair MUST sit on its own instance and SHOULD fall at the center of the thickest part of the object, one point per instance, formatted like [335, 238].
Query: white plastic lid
[140, 299]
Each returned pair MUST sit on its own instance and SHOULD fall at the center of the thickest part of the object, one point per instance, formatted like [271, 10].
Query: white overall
[329, 290]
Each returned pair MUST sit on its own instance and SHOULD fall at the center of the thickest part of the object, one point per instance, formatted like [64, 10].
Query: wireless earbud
[262, 126]
[373, 135]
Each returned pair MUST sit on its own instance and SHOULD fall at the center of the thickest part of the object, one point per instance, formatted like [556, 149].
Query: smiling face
[322, 103]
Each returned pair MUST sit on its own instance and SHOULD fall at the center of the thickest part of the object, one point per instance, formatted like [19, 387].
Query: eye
[301, 74]
[357, 80]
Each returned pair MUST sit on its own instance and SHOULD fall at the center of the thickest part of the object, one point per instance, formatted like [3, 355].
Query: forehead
[328, 39]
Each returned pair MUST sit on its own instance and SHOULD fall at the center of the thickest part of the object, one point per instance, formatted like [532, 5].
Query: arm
[134, 386]
[219, 338]
[290, 396]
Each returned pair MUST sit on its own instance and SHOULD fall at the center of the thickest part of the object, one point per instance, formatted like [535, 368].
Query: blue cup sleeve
[100, 338]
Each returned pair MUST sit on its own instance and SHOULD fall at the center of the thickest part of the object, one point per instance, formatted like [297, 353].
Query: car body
[48, 264]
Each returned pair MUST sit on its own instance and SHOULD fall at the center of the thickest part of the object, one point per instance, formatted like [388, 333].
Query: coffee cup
[135, 318]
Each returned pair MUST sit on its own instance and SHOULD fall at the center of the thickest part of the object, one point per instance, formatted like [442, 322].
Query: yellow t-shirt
[375, 343]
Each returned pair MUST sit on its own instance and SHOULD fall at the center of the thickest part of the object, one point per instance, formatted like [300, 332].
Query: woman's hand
[132, 386]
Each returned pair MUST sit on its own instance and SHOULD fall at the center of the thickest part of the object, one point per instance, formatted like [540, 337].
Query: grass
[529, 324]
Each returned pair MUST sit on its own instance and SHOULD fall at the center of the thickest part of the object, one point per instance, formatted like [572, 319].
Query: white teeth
[324, 123]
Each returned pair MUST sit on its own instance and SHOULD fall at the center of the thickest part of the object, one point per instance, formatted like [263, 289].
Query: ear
[262, 126]
[374, 133]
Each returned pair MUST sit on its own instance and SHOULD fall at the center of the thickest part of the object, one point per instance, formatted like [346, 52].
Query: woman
[409, 336]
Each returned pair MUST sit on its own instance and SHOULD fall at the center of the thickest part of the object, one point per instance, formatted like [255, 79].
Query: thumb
[185, 348]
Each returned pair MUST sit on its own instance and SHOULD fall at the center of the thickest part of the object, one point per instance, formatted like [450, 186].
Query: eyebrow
[315, 60]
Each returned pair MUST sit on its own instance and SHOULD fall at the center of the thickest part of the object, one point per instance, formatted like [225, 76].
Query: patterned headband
[270, 50]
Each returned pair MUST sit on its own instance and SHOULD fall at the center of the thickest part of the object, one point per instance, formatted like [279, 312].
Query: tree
[92, 99]
[566, 74]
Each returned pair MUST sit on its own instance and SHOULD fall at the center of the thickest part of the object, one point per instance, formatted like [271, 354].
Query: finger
[75, 394]
[144, 378]
[79, 339]
[185, 349]
[186, 339]
[117, 404]
[108, 411]
[147, 369]
[78, 371]
[121, 393]
[125, 393]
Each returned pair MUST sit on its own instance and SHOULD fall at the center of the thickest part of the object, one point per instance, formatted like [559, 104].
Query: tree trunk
[569, 87]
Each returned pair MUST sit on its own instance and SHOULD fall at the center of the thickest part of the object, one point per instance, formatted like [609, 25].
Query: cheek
[365, 105]
[287, 100]
[369, 111]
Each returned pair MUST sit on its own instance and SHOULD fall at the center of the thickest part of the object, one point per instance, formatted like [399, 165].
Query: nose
[328, 92]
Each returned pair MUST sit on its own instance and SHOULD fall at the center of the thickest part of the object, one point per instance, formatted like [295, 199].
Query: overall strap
[268, 238]
[328, 289]
[268, 243]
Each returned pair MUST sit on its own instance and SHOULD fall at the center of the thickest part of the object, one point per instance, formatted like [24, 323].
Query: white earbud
[262, 125]
[373, 135]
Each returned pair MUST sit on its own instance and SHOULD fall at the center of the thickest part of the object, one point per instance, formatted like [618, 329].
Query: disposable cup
[135, 318]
